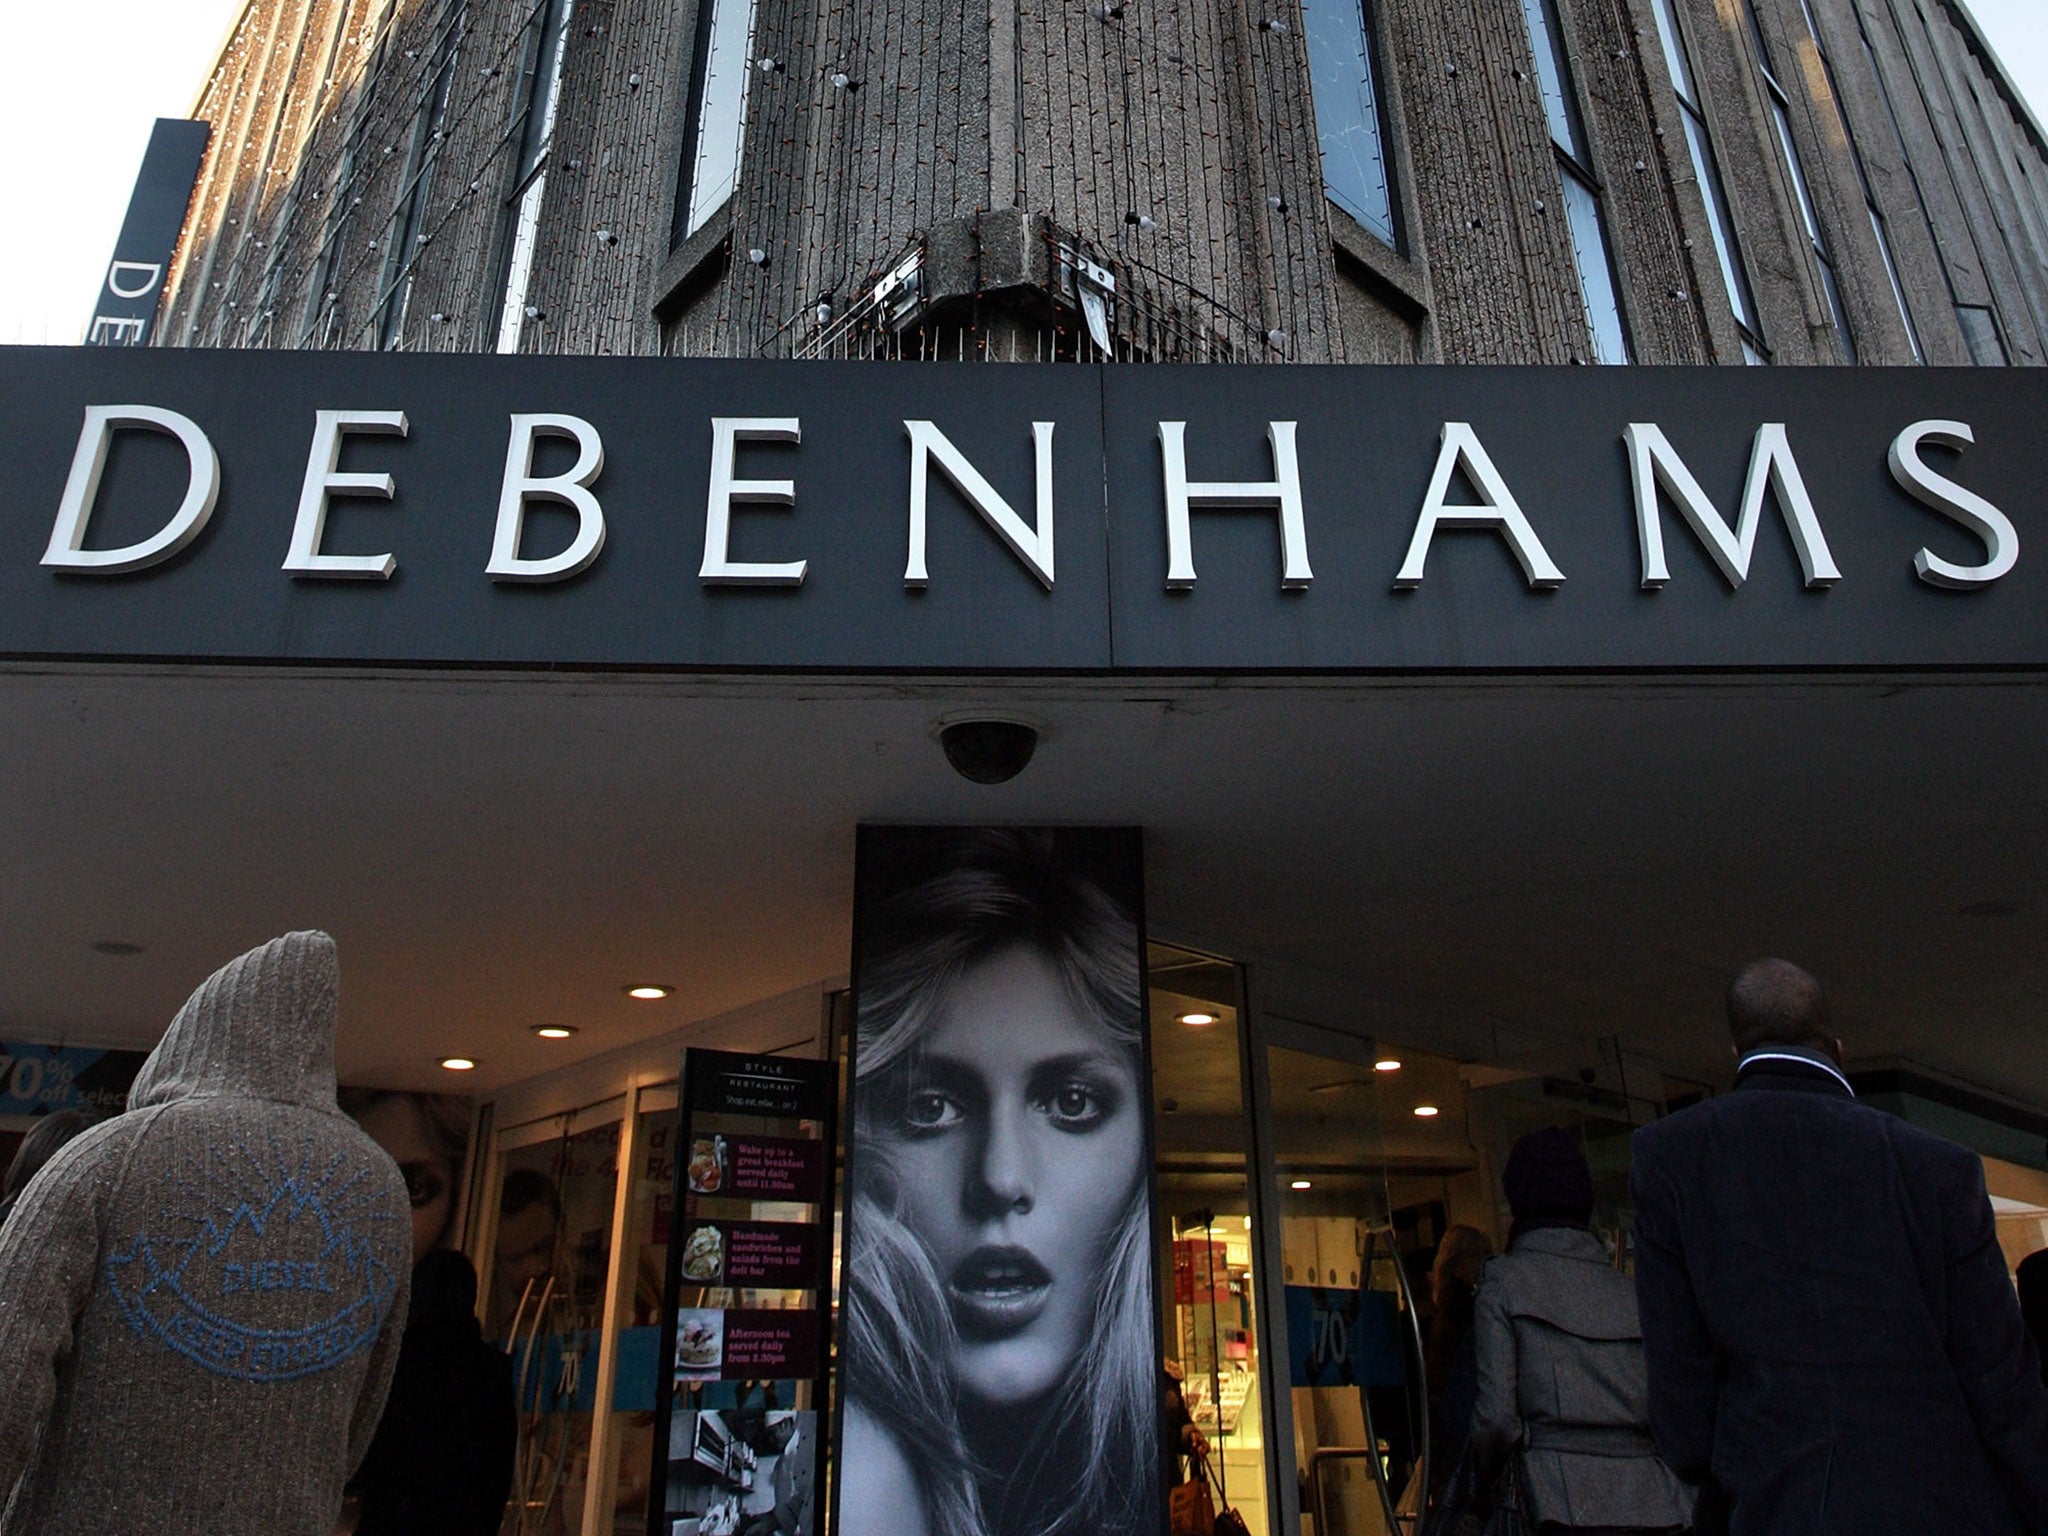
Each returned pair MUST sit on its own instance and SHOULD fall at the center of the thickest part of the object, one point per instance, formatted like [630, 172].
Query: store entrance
[1354, 1253]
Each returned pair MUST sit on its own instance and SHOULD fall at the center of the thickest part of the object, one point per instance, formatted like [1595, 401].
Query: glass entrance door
[1367, 1168]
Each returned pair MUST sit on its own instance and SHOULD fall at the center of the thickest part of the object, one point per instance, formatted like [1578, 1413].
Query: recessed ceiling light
[1197, 1019]
[458, 1063]
[1300, 1184]
[1386, 1064]
[554, 1031]
[1427, 1111]
[649, 991]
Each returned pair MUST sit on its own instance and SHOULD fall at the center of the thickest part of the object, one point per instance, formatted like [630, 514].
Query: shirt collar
[1798, 1055]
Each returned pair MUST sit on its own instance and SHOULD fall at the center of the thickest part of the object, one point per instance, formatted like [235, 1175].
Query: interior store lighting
[649, 991]
[1386, 1064]
[1197, 1019]
[1426, 1111]
[458, 1063]
[1301, 1184]
[554, 1031]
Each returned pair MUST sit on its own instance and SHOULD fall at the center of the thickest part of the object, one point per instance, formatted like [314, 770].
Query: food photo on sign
[700, 1343]
[999, 1349]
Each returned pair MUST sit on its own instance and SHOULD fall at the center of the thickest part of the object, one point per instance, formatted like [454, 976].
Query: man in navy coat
[1834, 1345]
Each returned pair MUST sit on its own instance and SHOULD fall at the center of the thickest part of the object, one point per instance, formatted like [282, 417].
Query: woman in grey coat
[1562, 1383]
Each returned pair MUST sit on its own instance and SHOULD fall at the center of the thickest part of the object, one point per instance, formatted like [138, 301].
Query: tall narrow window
[718, 116]
[1809, 214]
[1584, 218]
[1708, 173]
[1877, 219]
[408, 232]
[1349, 124]
[533, 131]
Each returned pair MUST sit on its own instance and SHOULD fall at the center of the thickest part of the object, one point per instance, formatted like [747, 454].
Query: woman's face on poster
[399, 1126]
[1018, 1139]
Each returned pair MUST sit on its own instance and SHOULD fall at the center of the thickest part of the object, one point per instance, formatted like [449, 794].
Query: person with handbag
[1561, 1426]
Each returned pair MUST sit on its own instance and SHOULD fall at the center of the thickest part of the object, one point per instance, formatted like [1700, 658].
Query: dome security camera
[988, 750]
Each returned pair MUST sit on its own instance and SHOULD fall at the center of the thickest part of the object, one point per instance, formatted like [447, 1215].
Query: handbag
[1228, 1522]
[1189, 1509]
[1468, 1510]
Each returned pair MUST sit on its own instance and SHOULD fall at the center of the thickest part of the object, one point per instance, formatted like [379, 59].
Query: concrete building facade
[1477, 181]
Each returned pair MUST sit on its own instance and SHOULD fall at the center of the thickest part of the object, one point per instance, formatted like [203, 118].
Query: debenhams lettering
[1657, 473]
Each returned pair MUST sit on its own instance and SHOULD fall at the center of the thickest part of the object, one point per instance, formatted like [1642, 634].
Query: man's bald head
[1774, 1002]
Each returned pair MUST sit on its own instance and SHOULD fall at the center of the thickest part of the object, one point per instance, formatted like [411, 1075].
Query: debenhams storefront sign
[443, 510]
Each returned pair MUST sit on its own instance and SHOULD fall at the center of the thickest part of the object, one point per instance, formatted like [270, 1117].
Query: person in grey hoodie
[1559, 1350]
[201, 1300]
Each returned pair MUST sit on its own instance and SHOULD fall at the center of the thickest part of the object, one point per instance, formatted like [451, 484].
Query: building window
[1708, 173]
[1349, 124]
[408, 232]
[1592, 252]
[533, 130]
[1809, 214]
[718, 96]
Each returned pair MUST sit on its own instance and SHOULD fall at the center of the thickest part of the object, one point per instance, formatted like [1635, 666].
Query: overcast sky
[82, 80]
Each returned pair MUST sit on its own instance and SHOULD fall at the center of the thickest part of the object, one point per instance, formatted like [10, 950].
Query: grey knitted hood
[262, 1027]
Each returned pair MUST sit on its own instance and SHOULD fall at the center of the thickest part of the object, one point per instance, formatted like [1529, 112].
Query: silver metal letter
[322, 479]
[1653, 462]
[67, 549]
[1500, 512]
[570, 489]
[719, 568]
[1031, 544]
[1943, 495]
[1282, 491]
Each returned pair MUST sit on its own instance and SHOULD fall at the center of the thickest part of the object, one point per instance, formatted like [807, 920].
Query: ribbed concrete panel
[1170, 142]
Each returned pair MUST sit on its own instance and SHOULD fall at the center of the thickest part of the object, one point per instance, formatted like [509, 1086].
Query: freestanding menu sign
[748, 1299]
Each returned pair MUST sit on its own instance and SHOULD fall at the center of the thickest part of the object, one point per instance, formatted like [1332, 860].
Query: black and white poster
[999, 1351]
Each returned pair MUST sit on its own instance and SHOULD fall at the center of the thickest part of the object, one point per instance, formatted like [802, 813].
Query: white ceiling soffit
[1478, 866]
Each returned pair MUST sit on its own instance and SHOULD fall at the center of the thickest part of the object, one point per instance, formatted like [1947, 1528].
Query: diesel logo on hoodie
[274, 1270]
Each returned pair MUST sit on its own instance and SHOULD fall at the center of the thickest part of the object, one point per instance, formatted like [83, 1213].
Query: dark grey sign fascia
[132, 290]
[1367, 438]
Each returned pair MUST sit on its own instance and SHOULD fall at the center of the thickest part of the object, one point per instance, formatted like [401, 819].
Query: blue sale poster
[1340, 1338]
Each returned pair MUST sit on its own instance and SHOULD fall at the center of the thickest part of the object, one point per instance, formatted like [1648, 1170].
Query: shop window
[1350, 121]
[1586, 221]
[407, 232]
[545, 1304]
[533, 130]
[1707, 171]
[1809, 214]
[718, 109]
[1209, 1306]
[628, 1450]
